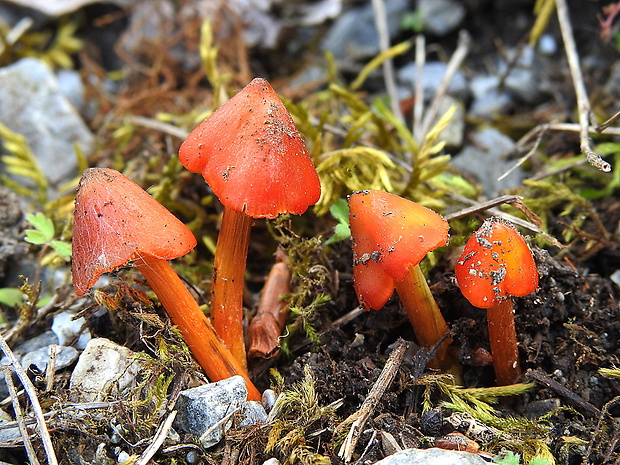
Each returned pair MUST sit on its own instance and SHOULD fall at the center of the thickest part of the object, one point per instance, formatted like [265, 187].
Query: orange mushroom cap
[495, 265]
[114, 221]
[252, 155]
[390, 235]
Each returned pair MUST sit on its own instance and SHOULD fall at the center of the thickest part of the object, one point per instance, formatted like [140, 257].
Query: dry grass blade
[158, 439]
[34, 401]
[583, 104]
[19, 417]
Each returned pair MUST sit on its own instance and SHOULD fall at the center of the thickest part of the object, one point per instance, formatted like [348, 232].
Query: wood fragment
[266, 326]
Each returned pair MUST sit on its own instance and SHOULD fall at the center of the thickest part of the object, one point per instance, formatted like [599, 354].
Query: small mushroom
[255, 161]
[116, 221]
[391, 236]
[497, 264]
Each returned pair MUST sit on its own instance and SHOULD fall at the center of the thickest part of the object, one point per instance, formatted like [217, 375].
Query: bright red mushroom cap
[114, 221]
[390, 235]
[495, 265]
[252, 155]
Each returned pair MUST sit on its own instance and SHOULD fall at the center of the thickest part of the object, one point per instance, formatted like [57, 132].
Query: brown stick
[267, 325]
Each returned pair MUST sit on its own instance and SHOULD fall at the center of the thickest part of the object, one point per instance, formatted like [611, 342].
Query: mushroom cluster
[255, 161]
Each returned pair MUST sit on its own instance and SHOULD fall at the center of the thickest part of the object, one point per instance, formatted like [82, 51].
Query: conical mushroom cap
[390, 235]
[252, 155]
[496, 264]
[114, 221]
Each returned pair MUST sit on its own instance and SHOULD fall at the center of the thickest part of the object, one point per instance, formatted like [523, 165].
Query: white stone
[432, 456]
[104, 369]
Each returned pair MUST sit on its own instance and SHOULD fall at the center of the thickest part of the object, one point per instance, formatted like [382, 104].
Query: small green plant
[43, 234]
[340, 212]
[510, 458]
[10, 296]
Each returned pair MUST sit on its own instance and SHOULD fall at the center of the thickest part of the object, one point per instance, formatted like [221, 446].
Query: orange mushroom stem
[255, 161]
[391, 235]
[497, 264]
[116, 221]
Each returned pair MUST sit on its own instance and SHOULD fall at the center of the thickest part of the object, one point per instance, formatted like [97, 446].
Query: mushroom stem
[419, 304]
[503, 341]
[212, 355]
[228, 281]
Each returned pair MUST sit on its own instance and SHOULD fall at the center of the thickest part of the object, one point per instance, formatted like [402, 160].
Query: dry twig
[34, 401]
[158, 439]
[454, 64]
[388, 66]
[19, 417]
[359, 418]
[583, 104]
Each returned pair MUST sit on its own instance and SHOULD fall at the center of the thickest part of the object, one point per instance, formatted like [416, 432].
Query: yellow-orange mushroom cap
[496, 264]
[115, 220]
[252, 156]
[390, 235]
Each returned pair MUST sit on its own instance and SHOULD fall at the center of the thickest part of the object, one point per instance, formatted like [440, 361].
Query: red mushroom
[254, 159]
[495, 265]
[391, 235]
[115, 221]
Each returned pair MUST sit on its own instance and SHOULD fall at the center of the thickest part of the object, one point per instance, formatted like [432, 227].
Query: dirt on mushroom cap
[252, 155]
[496, 264]
[390, 235]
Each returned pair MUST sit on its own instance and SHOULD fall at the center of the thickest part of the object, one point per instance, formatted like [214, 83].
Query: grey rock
[488, 100]
[253, 412]
[201, 409]
[104, 369]
[353, 36]
[432, 456]
[522, 79]
[454, 132]
[67, 328]
[486, 161]
[433, 73]
[71, 85]
[35, 343]
[32, 104]
[547, 45]
[41, 358]
[61, 7]
[441, 17]
[538, 408]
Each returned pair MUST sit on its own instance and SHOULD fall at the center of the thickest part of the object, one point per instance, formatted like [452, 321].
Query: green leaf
[509, 458]
[539, 461]
[62, 248]
[44, 229]
[340, 210]
[10, 296]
